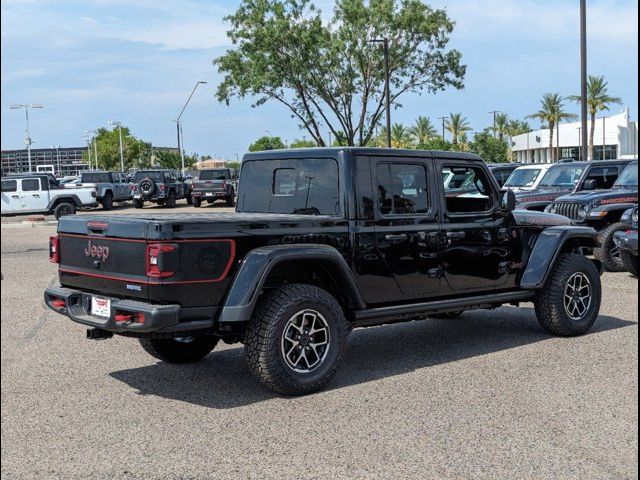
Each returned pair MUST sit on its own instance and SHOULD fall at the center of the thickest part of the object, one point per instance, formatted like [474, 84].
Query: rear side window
[96, 177]
[470, 194]
[30, 185]
[307, 186]
[605, 177]
[402, 189]
[9, 185]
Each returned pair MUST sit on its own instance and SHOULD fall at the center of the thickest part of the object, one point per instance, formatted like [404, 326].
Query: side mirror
[590, 184]
[508, 202]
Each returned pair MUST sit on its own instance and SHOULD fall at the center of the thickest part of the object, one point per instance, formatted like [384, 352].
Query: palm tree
[598, 100]
[423, 130]
[551, 113]
[518, 127]
[501, 126]
[457, 125]
[400, 137]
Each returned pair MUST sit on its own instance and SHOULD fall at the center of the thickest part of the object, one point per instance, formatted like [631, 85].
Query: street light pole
[443, 119]
[28, 133]
[179, 126]
[583, 77]
[57, 147]
[494, 121]
[119, 125]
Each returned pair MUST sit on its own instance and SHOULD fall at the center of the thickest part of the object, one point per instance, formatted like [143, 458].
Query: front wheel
[196, 201]
[569, 303]
[64, 209]
[295, 339]
[630, 262]
[230, 200]
[179, 349]
[608, 252]
[138, 203]
[170, 201]
[107, 202]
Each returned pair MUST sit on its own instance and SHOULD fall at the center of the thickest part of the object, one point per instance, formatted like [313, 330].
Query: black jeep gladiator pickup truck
[323, 241]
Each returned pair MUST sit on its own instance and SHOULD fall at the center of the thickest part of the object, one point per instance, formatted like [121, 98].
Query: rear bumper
[208, 194]
[627, 240]
[157, 318]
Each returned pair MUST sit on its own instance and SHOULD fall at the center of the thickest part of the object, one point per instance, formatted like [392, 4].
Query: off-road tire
[264, 333]
[172, 350]
[170, 201]
[64, 209]
[230, 200]
[138, 203]
[604, 252]
[630, 262]
[189, 199]
[147, 182]
[107, 201]
[196, 202]
[549, 302]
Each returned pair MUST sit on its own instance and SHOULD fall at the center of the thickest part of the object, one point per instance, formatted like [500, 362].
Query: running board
[414, 311]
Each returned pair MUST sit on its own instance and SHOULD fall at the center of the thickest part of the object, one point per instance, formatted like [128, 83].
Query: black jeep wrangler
[627, 241]
[602, 210]
[323, 241]
[163, 187]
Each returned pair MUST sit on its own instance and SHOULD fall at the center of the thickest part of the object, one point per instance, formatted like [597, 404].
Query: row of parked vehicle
[44, 193]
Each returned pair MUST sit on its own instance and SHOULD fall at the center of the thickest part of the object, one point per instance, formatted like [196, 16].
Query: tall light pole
[57, 147]
[27, 140]
[494, 121]
[583, 78]
[179, 125]
[119, 125]
[387, 90]
[95, 146]
[443, 123]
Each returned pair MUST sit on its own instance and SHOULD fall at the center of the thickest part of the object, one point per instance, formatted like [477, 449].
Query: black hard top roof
[594, 162]
[335, 152]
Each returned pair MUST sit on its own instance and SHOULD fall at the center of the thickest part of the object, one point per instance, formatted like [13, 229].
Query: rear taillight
[162, 259]
[54, 249]
[134, 188]
[163, 187]
[58, 303]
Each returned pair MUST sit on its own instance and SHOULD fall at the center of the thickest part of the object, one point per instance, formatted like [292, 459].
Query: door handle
[15, 196]
[396, 237]
[455, 236]
[37, 195]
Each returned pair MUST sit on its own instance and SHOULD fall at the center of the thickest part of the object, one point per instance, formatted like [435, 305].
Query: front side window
[628, 177]
[562, 176]
[95, 177]
[402, 189]
[30, 185]
[307, 186]
[9, 185]
[471, 195]
[605, 177]
[523, 177]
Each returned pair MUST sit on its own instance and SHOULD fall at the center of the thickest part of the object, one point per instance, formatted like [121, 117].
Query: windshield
[217, 174]
[302, 186]
[523, 177]
[155, 176]
[628, 177]
[565, 176]
[96, 177]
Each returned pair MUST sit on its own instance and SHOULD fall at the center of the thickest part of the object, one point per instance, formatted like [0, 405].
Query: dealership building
[62, 160]
[616, 136]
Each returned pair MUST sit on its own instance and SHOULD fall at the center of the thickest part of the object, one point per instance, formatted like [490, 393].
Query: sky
[91, 61]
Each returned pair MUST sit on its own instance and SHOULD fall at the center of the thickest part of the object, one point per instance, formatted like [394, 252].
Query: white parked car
[41, 193]
[526, 178]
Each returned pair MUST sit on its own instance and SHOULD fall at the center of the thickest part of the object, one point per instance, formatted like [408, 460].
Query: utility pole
[583, 78]
[179, 125]
[494, 121]
[95, 147]
[27, 139]
[443, 124]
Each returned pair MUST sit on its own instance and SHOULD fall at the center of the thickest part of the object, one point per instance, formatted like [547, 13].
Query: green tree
[436, 143]
[302, 143]
[598, 100]
[234, 165]
[423, 130]
[266, 143]
[501, 126]
[135, 151]
[170, 159]
[491, 149]
[551, 113]
[457, 125]
[400, 136]
[329, 75]
[518, 127]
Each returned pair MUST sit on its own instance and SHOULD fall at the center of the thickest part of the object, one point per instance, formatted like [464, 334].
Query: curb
[27, 224]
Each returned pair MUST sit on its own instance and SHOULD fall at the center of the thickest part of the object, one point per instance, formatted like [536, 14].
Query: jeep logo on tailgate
[96, 251]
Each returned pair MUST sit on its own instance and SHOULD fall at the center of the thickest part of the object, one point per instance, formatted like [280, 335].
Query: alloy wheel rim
[616, 253]
[577, 296]
[305, 341]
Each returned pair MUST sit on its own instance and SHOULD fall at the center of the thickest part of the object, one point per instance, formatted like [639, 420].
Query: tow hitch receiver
[98, 334]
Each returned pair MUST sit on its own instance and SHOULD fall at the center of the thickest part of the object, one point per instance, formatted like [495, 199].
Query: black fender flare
[254, 269]
[64, 198]
[547, 248]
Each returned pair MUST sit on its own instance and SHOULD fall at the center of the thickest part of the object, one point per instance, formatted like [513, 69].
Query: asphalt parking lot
[487, 395]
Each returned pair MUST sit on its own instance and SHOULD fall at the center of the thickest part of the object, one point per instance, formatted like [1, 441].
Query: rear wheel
[189, 199]
[608, 252]
[63, 209]
[630, 262]
[179, 349]
[138, 203]
[196, 201]
[295, 339]
[170, 201]
[230, 200]
[569, 303]
[107, 202]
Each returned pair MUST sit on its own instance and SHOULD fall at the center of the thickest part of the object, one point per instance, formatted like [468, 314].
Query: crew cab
[567, 177]
[213, 184]
[110, 187]
[41, 193]
[322, 241]
[161, 186]
[602, 209]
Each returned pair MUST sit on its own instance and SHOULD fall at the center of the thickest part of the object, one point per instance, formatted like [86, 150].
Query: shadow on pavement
[222, 379]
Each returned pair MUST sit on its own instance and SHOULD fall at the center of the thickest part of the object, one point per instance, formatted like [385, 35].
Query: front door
[476, 238]
[406, 224]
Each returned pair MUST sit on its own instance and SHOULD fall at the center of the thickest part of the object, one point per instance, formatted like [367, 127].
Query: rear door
[34, 194]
